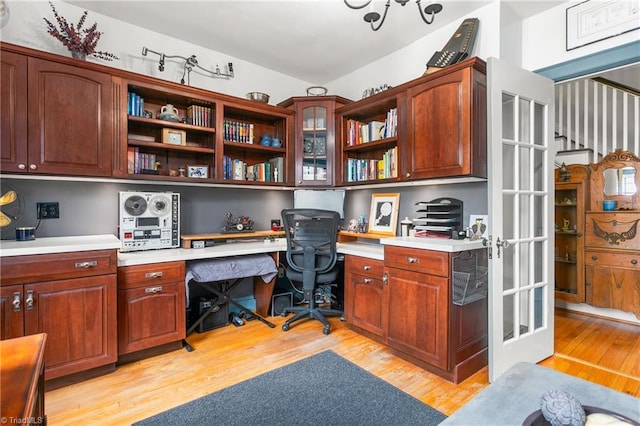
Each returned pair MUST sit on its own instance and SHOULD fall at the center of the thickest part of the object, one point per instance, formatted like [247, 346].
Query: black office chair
[311, 256]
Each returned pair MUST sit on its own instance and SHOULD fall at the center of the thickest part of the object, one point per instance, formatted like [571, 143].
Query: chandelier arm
[357, 7]
[384, 15]
[430, 10]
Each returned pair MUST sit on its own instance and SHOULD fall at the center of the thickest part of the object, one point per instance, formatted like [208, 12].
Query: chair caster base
[285, 327]
[326, 330]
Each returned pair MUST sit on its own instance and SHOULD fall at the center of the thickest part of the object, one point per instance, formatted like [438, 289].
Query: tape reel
[160, 205]
[135, 205]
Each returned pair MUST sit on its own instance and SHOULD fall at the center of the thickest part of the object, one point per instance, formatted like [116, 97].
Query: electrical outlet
[48, 210]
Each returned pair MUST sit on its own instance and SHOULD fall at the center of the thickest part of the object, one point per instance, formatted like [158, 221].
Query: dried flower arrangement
[79, 41]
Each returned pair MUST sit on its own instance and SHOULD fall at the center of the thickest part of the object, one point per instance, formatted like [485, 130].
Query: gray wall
[92, 207]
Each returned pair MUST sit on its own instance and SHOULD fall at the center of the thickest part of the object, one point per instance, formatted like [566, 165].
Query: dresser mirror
[616, 178]
[619, 181]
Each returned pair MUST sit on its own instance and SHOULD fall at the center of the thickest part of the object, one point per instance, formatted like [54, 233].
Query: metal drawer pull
[86, 265]
[16, 301]
[412, 259]
[366, 267]
[153, 274]
[153, 290]
[367, 280]
[634, 262]
[29, 300]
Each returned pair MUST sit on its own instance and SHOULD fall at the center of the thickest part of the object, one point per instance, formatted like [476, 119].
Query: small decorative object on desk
[80, 41]
[239, 224]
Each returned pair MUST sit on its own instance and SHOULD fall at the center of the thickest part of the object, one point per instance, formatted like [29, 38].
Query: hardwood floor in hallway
[229, 355]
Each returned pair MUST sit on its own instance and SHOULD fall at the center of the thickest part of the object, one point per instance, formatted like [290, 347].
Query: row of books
[135, 104]
[359, 132]
[269, 171]
[237, 131]
[359, 170]
[140, 162]
[199, 115]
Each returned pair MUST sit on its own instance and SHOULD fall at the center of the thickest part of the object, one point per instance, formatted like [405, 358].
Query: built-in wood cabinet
[69, 296]
[612, 244]
[571, 200]
[314, 138]
[447, 123]
[57, 118]
[364, 294]
[429, 307]
[151, 306]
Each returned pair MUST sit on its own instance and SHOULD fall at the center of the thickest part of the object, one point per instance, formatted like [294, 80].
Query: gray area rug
[324, 389]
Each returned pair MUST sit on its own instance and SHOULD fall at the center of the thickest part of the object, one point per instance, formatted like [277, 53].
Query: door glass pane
[524, 311]
[509, 170]
[508, 213]
[539, 125]
[524, 169]
[508, 312]
[538, 311]
[308, 118]
[508, 273]
[508, 116]
[539, 169]
[524, 218]
[539, 218]
[539, 253]
[524, 122]
[525, 261]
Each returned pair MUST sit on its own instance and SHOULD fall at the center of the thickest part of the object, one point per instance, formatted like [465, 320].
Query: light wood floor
[600, 351]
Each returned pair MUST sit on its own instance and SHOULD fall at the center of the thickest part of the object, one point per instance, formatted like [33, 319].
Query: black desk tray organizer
[441, 217]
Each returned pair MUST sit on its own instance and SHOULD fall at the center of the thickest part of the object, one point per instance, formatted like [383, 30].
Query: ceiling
[315, 41]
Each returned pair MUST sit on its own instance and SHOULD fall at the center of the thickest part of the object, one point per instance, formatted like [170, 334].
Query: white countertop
[438, 244]
[48, 245]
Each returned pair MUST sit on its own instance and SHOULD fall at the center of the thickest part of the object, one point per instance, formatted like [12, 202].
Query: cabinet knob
[367, 280]
[634, 262]
[153, 275]
[366, 267]
[385, 279]
[16, 301]
[29, 301]
[412, 259]
[22, 166]
[408, 174]
[32, 166]
[594, 257]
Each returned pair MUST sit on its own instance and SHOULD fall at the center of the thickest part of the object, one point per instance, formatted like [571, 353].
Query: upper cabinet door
[447, 117]
[70, 119]
[13, 104]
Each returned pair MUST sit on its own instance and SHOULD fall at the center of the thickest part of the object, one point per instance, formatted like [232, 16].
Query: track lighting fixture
[189, 64]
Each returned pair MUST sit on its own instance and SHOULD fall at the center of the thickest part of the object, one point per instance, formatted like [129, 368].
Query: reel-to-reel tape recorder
[149, 220]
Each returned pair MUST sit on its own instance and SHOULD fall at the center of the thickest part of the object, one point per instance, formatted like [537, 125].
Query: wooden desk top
[22, 361]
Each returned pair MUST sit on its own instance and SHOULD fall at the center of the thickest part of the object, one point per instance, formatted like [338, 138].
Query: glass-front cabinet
[570, 202]
[314, 138]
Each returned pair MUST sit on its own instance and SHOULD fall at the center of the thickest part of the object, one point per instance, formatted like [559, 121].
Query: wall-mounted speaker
[279, 302]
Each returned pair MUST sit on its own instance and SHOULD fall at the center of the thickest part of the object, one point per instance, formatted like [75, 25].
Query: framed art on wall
[383, 217]
[592, 21]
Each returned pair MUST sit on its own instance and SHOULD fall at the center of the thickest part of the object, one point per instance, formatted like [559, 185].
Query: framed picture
[479, 225]
[174, 137]
[198, 172]
[592, 21]
[383, 217]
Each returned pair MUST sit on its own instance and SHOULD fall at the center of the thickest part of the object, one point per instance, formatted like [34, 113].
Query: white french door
[521, 276]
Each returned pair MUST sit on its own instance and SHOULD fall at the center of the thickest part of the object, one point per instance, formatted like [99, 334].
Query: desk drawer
[623, 260]
[151, 274]
[49, 267]
[364, 266]
[417, 260]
